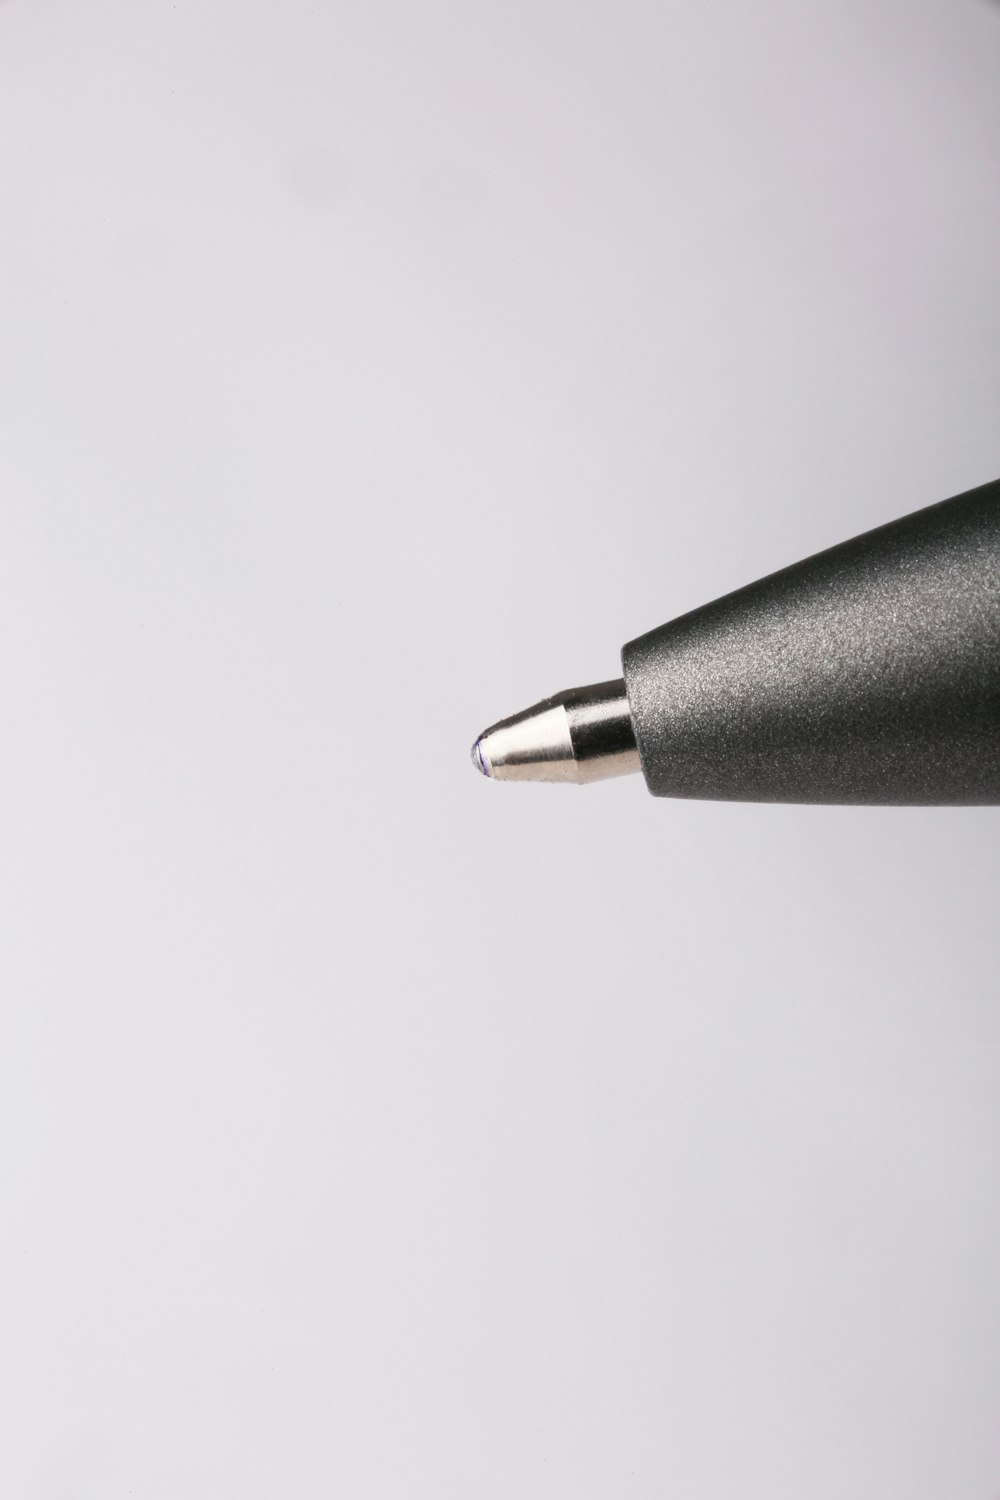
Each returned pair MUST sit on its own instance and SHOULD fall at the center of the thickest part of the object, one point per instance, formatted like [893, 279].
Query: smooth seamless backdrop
[367, 1130]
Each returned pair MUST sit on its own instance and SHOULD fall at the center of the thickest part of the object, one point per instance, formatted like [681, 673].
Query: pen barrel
[869, 673]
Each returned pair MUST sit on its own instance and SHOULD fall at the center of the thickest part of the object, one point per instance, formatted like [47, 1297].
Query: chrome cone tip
[580, 736]
[480, 759]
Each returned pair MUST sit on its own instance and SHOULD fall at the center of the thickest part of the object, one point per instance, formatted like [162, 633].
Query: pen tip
[480, 759]
[579, 736]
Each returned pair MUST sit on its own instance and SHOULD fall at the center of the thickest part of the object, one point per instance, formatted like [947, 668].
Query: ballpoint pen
[869, 673]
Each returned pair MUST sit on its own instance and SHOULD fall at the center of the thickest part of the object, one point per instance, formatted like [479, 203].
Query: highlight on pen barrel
[579, 736]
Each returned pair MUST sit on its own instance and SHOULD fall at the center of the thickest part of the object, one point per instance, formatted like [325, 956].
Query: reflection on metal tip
[480, 759]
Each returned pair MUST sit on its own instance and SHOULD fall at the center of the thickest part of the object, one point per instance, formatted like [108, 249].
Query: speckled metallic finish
[867, 674]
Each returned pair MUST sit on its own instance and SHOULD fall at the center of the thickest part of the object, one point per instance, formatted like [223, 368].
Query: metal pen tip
[480, 759]
[579, 736]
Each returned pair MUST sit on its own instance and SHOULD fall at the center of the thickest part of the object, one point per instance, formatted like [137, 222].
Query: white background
[368, 371]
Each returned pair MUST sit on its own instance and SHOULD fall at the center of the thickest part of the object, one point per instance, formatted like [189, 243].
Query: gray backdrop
[366, 1130]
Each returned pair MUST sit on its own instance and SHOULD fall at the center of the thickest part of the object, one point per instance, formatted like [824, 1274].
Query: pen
[869, 673]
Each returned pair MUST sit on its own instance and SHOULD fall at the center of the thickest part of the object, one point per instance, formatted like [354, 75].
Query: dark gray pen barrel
[866, 674]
